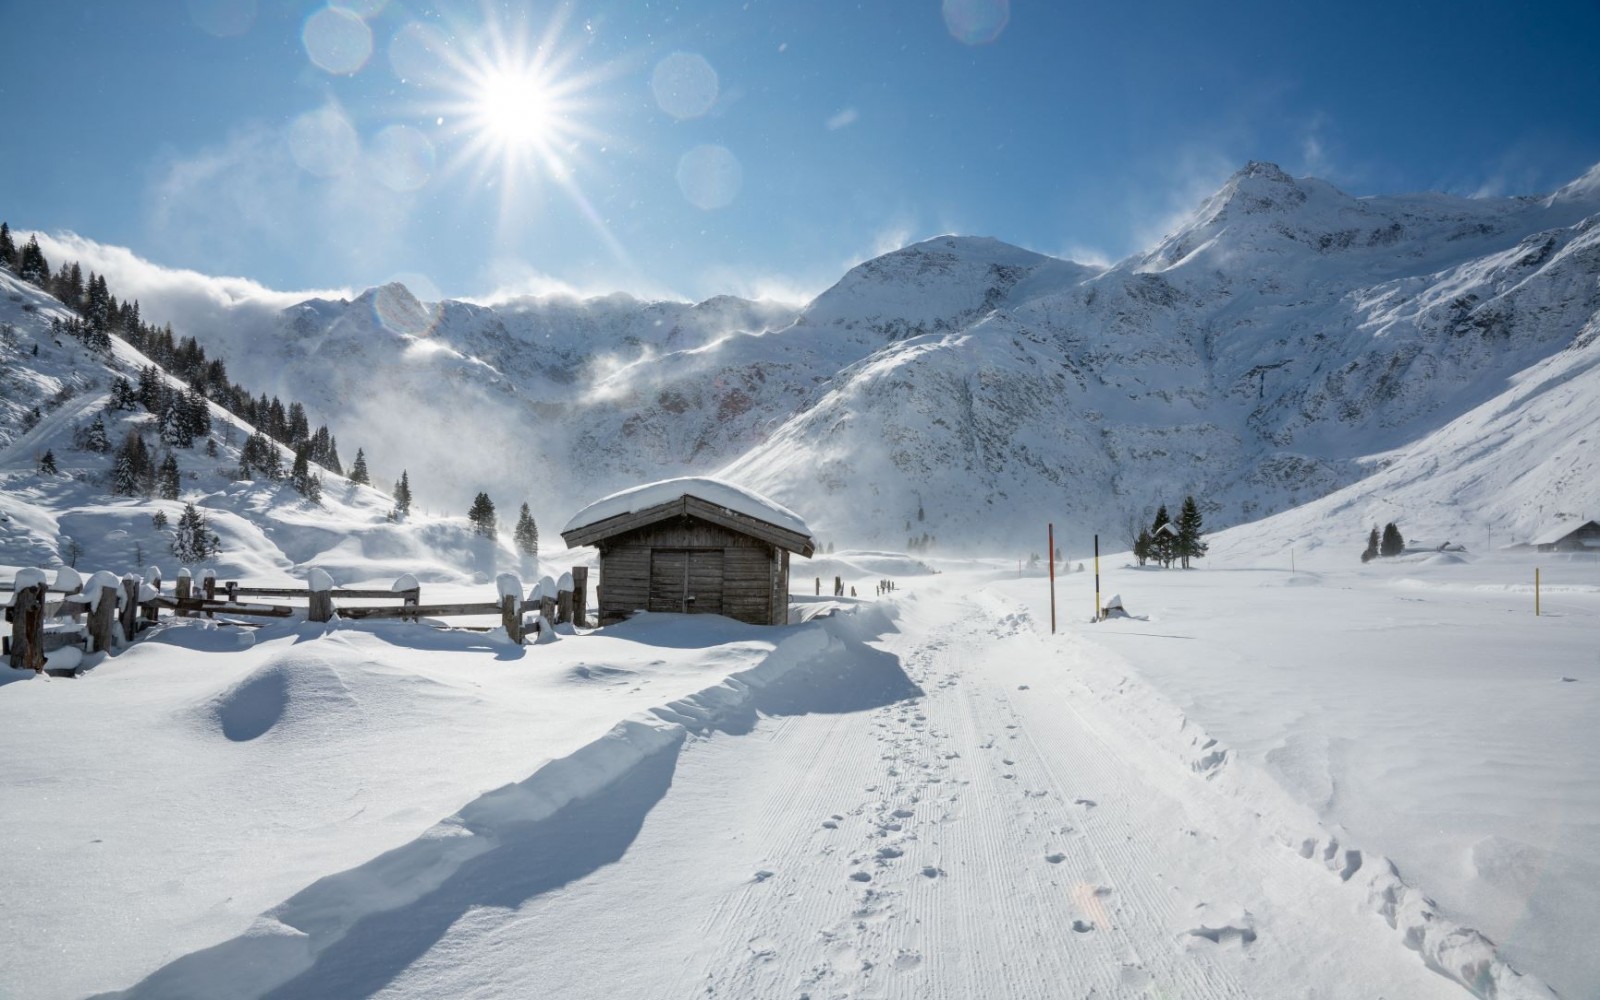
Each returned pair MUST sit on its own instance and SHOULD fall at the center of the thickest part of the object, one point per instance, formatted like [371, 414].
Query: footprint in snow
[860, 877]
[829, 824]
[1083, 926]
[1086, 803]
[1055, 859]
[762, 875]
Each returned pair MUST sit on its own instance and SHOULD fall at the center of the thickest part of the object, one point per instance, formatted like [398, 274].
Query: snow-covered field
[923, 795]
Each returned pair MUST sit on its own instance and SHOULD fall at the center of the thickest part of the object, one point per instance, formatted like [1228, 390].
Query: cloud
[309, 190]
[841, 119]
[1093, 256]
[514, 278]
[192, 302]
[1189, 177]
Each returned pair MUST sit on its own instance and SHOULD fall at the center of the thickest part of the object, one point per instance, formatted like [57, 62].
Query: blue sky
[702, 147]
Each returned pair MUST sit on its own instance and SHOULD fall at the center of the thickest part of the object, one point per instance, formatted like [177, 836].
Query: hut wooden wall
[750, 584]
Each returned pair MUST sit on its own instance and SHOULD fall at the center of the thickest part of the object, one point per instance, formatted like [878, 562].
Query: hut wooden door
[686, 581]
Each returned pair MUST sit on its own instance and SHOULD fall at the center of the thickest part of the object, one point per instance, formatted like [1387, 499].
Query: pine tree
[8, 246]
[482, 516]
[158, 520]
[173, 422]
[402, 496]
[1141, 547]
[47, 464]
[193, 541]
[168, 483]
[31, 264]
[1161, 542]
[132, 469]
[1188, 543]
[300, 474]
[527, 533]
[299, 428]
[1371, 552]
[123, 395]
[358, 471]
[1392, 544]
[93, 437]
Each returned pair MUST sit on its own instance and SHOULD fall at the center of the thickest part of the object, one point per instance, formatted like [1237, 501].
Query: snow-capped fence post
[26, 615]
[320, 602]
[71, 585]
[564, 599]
[103, 613]
[511, 606]
[580, 596]
[547, 600]
[185, 590]
[150, 609]
[130, 606]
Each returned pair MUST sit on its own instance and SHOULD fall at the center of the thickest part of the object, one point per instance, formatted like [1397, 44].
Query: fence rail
[118, 612]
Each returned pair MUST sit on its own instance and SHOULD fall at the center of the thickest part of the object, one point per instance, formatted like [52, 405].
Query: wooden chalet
[1583, 537]
[693, 555]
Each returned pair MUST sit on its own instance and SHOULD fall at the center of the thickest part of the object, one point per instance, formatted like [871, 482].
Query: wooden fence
[119, 608]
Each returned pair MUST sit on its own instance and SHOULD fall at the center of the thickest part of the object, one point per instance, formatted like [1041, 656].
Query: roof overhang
[690, 506]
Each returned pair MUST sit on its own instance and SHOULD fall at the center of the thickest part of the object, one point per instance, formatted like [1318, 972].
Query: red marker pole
[1052, 557]
[1096, 578]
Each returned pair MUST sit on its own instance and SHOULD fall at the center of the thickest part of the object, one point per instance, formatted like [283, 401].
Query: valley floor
[930, 795]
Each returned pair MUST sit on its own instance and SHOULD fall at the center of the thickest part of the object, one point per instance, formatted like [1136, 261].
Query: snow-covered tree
[47, 463]
[31, 264]
[168, 484]
[1163, 544]
[527, 533]
[1371, 551]
[358, 471]
[192, 540]
[132, 469]
[8, 246]
[92, 437]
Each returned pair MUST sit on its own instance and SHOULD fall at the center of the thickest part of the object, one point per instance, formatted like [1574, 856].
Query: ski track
[998, 836]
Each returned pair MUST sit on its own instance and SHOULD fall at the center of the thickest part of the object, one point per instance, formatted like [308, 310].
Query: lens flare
[337, 41]
[976, 22]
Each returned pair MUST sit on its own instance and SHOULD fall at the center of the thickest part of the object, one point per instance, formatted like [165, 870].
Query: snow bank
[723, 494]
[286, 941]
[29, 578]
[509, 585]
[565, 583]
[404, 583]
[67, 578]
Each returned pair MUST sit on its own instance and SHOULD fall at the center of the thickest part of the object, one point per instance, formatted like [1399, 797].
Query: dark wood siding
[726, 572]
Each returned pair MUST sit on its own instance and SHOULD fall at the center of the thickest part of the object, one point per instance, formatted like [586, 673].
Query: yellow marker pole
[1536, 592]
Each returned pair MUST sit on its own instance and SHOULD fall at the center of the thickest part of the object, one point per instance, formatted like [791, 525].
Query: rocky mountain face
[1285, 343]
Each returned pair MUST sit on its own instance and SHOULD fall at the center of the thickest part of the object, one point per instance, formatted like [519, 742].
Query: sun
[515, 108]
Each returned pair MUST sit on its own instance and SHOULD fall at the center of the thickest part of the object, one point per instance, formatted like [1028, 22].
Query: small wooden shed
[692, 546]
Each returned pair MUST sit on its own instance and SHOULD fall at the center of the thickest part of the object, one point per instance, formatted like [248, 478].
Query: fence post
[580, 596]
[102, 618]
[27, 628]
[130, 610]
[208, 582]
[411, 599]
[233, 591]
[185, 589]
[320, 606]
[511, 617]
[564, 599]
[152, 610]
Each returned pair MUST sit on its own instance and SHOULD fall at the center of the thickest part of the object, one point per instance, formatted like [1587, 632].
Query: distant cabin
[1582, 538]
[692, 546]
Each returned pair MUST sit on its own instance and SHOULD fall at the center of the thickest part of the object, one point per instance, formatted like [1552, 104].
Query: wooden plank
[301, 592]
[226, 608]
[669, 583]
[580, 596]
[421, 610]
[705, 582]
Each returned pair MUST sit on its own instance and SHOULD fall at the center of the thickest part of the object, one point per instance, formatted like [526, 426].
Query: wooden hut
[692, 546]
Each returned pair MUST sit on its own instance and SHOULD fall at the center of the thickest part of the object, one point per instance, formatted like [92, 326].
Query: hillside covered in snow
[1289, 341]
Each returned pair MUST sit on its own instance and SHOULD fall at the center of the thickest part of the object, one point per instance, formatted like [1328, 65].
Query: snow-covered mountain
[53, 386]
[1286, 342]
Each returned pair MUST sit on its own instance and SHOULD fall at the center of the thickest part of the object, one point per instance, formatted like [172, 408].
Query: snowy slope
[269, 533]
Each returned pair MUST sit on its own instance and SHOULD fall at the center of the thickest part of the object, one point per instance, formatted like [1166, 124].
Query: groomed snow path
[1000, 835]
